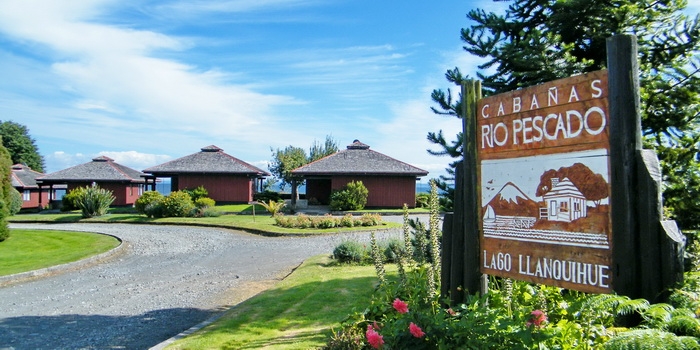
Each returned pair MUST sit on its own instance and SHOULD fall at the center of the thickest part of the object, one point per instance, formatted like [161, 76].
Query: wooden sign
[544, 184]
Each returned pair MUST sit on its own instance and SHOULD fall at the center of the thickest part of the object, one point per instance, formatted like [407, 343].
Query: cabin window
[27, 195]
[564, 206]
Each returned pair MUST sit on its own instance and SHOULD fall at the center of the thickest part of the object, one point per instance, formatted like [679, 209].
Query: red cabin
[390, 182]
[227, 179]
[125, 183]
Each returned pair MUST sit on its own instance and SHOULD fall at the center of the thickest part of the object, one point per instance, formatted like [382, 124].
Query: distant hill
[511, 201]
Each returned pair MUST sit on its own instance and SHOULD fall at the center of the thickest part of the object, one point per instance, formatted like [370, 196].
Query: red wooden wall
[33, 201]
[384, 191]
[221, 188]
[124, 194]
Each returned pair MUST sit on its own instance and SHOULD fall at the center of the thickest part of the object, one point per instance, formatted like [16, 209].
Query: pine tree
[542, 40]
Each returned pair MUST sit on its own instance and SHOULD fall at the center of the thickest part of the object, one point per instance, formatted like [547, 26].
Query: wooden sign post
[555, 188]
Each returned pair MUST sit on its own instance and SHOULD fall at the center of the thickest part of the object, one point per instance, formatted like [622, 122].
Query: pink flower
[415, 330]
[537, 319]
[451, 312]
[373, 338]
[400, 306]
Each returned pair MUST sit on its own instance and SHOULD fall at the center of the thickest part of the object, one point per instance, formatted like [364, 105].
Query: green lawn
[27, 250]
[297, 313]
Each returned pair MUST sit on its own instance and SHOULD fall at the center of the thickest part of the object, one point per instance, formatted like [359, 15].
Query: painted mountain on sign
[511, 201]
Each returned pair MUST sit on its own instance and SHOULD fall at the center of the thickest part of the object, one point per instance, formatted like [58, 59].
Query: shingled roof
[211, 160]
[24, 177]
[100, 169]
[358, 159]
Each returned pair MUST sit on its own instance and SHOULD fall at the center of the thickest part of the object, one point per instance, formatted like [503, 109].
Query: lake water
[163, 186]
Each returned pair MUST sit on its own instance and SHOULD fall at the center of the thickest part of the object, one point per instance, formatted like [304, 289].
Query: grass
[297, 313]
[27, 250]
[260, 223]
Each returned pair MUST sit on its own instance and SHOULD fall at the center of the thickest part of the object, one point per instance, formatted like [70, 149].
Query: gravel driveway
[168, 279]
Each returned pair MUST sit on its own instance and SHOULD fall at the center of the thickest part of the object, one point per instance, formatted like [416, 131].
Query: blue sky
[144, 82]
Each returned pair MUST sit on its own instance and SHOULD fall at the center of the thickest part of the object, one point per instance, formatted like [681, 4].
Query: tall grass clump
[94, 201]
[273, 207]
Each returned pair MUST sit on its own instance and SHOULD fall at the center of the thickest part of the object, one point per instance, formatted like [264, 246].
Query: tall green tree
[541, 40]
[5, 191]
[318, 150]
[291, 157]
[284, 161]
[22, 147]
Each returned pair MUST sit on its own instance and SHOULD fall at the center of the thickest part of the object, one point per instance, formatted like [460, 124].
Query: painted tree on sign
[591, 185]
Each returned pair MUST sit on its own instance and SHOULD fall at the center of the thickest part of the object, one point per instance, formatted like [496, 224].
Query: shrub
[15, 204]
[422, 200]
[4, 228]
[177, 204]
[347, 221]
[326, 221]
[394, 248]
[350, 252]
[351, 197]
[70, 200]
[208, 212]
[370, 220]
[197, 193]
[204, 202]
[304, 221]
[155, 209]
[267, 196]
[145, 204]
[284, 221]
[94, 201]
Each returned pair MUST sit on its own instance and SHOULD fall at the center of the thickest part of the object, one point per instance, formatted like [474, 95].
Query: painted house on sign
[227, 179]
[125, 183]
[390, 182]
[564, 201]
[24, 180]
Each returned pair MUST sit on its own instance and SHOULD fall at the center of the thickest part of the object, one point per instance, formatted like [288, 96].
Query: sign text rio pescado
[544, 183]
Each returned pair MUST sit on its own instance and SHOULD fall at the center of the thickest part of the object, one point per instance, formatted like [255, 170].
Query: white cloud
[60, 160]
[115, 70]
[136, 160]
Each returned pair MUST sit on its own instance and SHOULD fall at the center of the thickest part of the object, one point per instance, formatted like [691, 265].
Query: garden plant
[407, 311]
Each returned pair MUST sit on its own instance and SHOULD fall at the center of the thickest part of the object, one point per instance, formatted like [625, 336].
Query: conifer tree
[5, 191]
